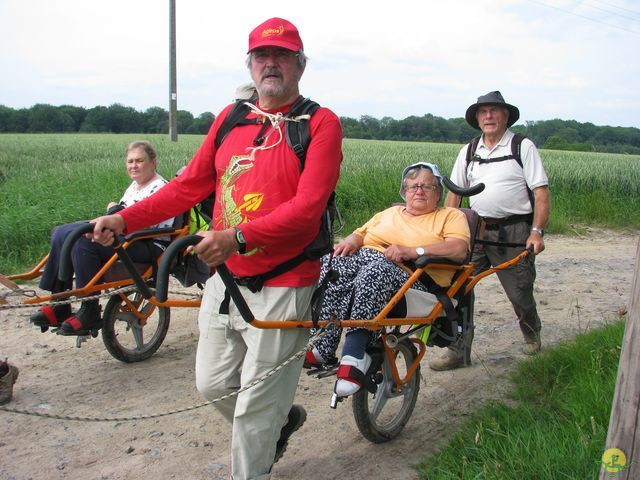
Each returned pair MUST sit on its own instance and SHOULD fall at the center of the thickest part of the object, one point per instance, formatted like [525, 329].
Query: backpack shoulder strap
[516, 147]
[471, 149]
[516, 152]
[237, 116]
[297, 132]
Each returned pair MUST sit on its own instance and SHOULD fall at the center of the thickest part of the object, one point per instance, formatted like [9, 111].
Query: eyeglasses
[424, 188]
[279, 54]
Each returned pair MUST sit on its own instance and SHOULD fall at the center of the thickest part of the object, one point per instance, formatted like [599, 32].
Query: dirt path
[582, 282]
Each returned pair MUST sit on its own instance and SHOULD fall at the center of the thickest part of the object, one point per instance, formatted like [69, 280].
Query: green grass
[48, 179]
[558, 428]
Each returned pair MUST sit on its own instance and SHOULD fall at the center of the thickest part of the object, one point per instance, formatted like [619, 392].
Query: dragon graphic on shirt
[232, 213]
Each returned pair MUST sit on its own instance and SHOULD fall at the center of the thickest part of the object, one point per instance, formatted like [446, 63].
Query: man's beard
[271, 90]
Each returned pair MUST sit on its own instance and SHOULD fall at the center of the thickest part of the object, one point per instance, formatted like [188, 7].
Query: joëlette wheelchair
[383, 407]
[135, 322]
[133, 325]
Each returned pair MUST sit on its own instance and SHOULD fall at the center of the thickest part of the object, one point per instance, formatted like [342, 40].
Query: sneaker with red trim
[351, 374]
[313, 359]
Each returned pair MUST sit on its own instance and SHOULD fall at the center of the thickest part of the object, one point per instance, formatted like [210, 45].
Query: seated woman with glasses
[369, 263]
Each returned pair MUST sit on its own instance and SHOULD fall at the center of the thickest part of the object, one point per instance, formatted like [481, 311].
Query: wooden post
[624, 424]
[173, 89]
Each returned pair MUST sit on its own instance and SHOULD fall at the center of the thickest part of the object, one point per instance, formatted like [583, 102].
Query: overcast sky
[568, 59]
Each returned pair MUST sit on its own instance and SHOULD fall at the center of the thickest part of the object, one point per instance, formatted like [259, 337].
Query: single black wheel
[134, 329]
[381, 417]
[466, 315]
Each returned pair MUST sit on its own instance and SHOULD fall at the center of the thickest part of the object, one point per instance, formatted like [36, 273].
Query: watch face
[420, 251]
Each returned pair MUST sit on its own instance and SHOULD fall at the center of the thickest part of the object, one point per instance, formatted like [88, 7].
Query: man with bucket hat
[514, 207]
[267, 210]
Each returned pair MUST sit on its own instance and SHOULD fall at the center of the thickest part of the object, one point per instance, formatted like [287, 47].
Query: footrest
[323, 371]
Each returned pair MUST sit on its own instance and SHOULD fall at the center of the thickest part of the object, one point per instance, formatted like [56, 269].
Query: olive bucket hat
[491, 98]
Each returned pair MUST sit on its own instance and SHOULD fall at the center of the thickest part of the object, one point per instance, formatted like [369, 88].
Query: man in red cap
[514, 207]
[266, 211]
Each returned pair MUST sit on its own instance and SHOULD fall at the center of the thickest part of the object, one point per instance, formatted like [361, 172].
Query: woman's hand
[399, 254]
[348, 246]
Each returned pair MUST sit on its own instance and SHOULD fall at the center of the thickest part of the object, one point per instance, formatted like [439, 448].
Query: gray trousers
[516, 280]
[232, 354]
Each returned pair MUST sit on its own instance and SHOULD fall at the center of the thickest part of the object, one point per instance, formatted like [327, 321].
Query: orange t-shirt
[392, 227]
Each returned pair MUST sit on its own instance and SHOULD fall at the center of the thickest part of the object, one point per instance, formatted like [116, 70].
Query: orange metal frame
[465, 279]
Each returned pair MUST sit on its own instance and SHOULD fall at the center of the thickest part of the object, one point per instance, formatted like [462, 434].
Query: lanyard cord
[276, 120]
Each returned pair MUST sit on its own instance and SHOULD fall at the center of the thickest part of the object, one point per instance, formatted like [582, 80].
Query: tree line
[552, 134]
[116, 118]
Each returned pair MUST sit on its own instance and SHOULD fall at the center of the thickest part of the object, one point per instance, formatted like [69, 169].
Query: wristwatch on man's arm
[538, 230]
[242, 244]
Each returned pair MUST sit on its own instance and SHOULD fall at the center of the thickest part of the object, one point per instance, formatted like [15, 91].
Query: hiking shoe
[297, 416]
[450, 360]
[531, 345]
[86, 319]
[8, 376]
[50, 316]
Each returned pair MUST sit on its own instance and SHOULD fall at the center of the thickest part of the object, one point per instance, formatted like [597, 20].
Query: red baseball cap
[275, 32]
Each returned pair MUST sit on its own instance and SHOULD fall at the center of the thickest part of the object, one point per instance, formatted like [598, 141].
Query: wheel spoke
[379, 402]
[138, 334]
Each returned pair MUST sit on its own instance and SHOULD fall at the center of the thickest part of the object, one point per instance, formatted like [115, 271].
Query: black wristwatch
[242, 243]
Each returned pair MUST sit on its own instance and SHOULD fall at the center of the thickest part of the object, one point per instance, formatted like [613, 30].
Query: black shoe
[51, 316]
[297, 416]
[87, 319]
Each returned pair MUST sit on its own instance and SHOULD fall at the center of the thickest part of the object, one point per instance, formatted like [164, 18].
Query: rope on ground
[312, 342]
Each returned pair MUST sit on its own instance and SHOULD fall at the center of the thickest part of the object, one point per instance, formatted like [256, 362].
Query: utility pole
[173, 92]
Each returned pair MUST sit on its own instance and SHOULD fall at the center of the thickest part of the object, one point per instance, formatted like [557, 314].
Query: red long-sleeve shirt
[277, 207]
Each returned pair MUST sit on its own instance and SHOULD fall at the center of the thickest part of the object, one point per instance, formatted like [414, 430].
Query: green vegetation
[558, 427]
[553, 134]
[48, 179]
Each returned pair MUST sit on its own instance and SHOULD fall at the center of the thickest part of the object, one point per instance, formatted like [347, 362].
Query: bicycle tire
[381, 417]
[122, 333]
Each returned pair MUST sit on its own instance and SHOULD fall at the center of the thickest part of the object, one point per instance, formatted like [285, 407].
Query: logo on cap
[276, 31]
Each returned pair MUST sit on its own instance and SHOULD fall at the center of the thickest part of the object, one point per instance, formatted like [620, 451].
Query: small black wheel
[126, 336]
[381, 417]
[468, 327]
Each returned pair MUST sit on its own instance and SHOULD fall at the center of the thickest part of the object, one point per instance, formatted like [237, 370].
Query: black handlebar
[65, 270]
[462, 192]
[166, 264]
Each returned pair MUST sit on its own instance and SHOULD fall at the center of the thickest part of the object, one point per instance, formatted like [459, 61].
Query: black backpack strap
[471, 149]
[237, 116]
[516, 151]
[516, 148]
[297, 132]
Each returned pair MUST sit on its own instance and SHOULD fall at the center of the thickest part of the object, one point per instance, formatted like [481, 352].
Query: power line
[585, 17]
[628, 10]
[610, 12]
